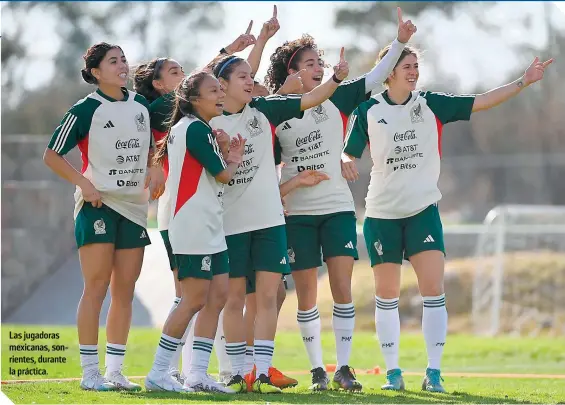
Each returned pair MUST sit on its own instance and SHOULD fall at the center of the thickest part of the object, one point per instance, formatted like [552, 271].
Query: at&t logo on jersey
[129, 144]
[127, 159]
[407, 148]
[128, 183]
[405, 136]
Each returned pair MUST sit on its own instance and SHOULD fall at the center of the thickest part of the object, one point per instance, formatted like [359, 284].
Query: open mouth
[317, 78]
[220, 105]
[123, 75]
[411, 80]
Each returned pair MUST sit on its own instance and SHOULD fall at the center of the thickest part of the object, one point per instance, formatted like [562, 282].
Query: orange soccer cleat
[280, 380]
[250, 379]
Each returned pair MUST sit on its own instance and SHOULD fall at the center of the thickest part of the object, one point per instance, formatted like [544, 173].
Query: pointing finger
[275, 11]
[249, 27]
[341, 55]
[399, 13]
[547, 63]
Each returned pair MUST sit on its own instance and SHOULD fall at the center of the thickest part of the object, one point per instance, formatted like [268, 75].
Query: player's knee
[266, 300]
[96, 289]
[235, 302]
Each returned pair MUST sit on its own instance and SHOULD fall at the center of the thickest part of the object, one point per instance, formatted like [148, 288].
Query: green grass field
[463, 354]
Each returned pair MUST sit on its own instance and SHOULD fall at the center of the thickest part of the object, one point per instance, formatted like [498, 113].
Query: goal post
[519, 279]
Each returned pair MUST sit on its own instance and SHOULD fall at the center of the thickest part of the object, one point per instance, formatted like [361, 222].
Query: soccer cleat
[237, 384]
[163, 382]
[263, 385]
[320, 379]
[280, 380]
[224, 378]
[93, 381]
[200, 382]
[173, 372]
[394, 380]
[432, 381]
[121, 381]
[250, 379]
[345, 379]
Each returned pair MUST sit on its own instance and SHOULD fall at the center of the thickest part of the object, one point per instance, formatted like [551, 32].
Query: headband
[226, 65]
[293, 55]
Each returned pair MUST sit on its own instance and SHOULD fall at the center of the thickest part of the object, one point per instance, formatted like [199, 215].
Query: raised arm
[240, 43]
[501, 94]
[380, 72]
[324, 91]
[269, 29]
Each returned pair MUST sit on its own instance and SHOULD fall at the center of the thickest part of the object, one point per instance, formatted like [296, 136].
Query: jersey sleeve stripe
[64, 133]
[216, 149]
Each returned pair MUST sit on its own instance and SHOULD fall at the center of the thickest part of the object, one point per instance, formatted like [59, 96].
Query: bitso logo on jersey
[416, 114]
[141, 122]
[99, 227]
[253, 127]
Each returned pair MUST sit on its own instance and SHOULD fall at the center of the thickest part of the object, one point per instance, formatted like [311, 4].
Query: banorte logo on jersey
[132, 143]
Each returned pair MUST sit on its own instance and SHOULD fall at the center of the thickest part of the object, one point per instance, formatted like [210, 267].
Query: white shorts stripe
[64, 133]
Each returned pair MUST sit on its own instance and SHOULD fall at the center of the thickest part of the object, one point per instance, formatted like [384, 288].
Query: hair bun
[87, 76]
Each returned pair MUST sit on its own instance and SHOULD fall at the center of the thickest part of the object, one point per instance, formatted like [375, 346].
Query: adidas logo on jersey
[109, 124]
[283, 261]
[429, 239]
[349, 245]
[382, 121]
[286, 126]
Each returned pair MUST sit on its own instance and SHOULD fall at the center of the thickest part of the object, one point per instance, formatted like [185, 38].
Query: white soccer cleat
[176, 374]
[93, 381]
[204, 383]
[121, 381]
[224, 377]
[163, 382]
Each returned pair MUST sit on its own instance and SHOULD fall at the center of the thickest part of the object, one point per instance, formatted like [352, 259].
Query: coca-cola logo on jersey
[129, 144]
[405, 136]
[312, 137]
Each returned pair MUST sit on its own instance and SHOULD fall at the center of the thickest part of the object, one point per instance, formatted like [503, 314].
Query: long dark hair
[144, 76]
[185, 94]
[92, 58]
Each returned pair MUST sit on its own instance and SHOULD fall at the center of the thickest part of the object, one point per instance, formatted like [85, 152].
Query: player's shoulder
[138, 98]
[197, 127]
[85, 107]
[163, 104]
[373, 102]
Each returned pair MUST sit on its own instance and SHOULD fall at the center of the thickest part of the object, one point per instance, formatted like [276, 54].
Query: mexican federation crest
[141, 122]
[416, 114]
[319, 114]
[253, 127]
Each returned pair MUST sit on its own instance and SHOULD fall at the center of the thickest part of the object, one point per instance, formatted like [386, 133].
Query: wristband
[335, 79]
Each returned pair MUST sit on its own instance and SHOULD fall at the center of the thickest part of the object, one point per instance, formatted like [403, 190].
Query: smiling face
[113, 69]
[169, 74]
[238, 85]
[405, 75]
[210, 100]
[313, 66]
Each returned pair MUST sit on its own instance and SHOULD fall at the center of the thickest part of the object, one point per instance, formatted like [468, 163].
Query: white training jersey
[252, 198]
[315, 142]
[114, 139]
[196, 219]
[405, 146]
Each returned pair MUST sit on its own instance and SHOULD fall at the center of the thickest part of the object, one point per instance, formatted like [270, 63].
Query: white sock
[434, 327]
[249, 360]
[165, 350]
[224, 365]
[311, 329]
[201, 350]
[115, 354]
[88, 358]
[186, 349]
[343, 322]
[387, 322]
[175, 303]
[236, 352]
[264, 350]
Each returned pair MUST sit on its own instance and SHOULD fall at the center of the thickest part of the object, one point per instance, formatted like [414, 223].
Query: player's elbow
[48, 157]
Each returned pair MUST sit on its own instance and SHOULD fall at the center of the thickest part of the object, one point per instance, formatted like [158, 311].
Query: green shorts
[311, 236]
[202, 266]
[391, 240]
[104, 225]
[260, 250]
[167, 242]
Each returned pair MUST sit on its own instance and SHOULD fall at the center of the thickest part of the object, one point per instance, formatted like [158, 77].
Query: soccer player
[404, 127]
[197, 172]
[321, 219]
[111, 128]
[254, 220]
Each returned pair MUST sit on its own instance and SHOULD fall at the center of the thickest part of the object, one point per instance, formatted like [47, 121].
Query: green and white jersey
[252, 198]
[315, 142]
[114, 139]
[405, 146]
[160, 111]
[196, 225]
